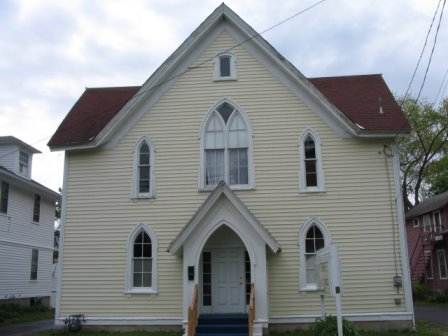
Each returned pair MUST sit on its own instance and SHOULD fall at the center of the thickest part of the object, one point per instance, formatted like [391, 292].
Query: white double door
[228, 283]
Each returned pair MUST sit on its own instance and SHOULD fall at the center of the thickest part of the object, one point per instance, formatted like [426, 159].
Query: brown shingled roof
[90, 114]
[358, 97]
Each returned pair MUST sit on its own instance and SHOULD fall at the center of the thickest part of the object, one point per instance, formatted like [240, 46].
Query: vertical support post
[339, 310]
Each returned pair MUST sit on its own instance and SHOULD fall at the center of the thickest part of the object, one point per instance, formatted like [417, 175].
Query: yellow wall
[355, 207]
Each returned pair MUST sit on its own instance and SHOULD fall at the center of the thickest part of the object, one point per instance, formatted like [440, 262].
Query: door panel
[228, 284]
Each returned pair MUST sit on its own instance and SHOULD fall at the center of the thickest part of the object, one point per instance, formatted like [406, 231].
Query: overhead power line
[194, 67]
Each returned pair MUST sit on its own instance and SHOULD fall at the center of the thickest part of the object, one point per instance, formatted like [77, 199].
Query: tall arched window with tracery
[143, 180]
[142, 261]
[311, 173]
[226, 153]
[313, 236]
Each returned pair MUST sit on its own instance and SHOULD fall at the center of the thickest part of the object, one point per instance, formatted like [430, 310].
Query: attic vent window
[225, 68]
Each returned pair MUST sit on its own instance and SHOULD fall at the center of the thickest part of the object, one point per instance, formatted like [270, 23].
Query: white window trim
[129, 289]
[414, 221]
[250, 169]
[442, 251]
[302, 173]
[217, 71]
[436, 213]
[135, 178]
[303, 285]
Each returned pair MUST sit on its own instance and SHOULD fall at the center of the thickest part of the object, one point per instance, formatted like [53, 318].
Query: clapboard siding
[19, 235]
[355, 205]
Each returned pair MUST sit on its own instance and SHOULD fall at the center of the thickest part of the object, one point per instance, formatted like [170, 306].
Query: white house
[227, 168]
[27, 214]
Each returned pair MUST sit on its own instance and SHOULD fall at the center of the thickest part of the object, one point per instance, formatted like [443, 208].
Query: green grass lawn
[14, 313]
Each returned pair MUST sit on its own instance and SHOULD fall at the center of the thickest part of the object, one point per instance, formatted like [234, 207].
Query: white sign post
[330, 255]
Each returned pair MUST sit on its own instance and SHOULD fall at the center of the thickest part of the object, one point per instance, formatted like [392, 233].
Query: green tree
[423, 152]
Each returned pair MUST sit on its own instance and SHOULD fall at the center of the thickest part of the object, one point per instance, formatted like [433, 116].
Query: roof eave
[31, 184]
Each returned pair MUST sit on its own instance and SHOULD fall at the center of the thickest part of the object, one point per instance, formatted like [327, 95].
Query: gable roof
[12, 140]
[28, 184]
[366, 100]
[429, 205]
[222, 190]
[90, 114]
[336, 107]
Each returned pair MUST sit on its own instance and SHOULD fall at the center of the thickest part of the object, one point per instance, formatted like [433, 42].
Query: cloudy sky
[50, 50]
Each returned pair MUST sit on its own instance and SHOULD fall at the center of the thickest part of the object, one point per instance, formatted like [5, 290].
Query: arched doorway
[224, 273]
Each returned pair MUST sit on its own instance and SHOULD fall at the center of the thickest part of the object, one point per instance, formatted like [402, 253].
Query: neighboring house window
[441, 258]
[312, 237]
[416, 222]
[426, 223]
[429, 268]
[23, 162]
[437, 222]
[225, 67]
[144, 169]
[142, 261]
[311, 173]
[34, 264]
[4, 195]
[227, 148]
[36, 208]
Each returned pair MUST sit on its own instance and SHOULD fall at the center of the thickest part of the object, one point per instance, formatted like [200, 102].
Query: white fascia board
[293, 79]
[161, 80]
[222, 189]
[30, 185]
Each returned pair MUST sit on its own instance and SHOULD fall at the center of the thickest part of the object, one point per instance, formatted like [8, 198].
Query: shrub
[421, 292]
[328, 326]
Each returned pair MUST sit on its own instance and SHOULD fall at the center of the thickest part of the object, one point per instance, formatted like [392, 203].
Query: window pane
[36, 208]
[311, 276]
[138, 253]
[311, 180]
[238, 168]
[225, 110]
[147, 265]
[224, 66]
[138, 280]
[214, 160]
[320, 243]
[310, 150]
[139, 238]
[138, 265]
[34, 264]
[442, 264]
[4, 197]
[144, 154]
[147, 281]
[238, 136]
[147, 250]
[309, 246]
[214, 137]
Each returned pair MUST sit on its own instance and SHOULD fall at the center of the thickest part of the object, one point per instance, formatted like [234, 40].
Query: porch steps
[223, 325]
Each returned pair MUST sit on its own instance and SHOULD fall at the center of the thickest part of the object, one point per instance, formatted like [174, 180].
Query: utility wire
[427, 67]
[423, 50]
[432, 51]
[193, 67]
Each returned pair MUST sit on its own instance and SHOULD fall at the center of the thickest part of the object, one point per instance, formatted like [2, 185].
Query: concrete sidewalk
[26, 329]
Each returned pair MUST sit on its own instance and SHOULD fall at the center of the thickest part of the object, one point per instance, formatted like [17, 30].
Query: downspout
[403, 238]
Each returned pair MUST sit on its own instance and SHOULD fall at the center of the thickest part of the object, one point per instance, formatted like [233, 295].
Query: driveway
[431, 314]
[26, 329]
